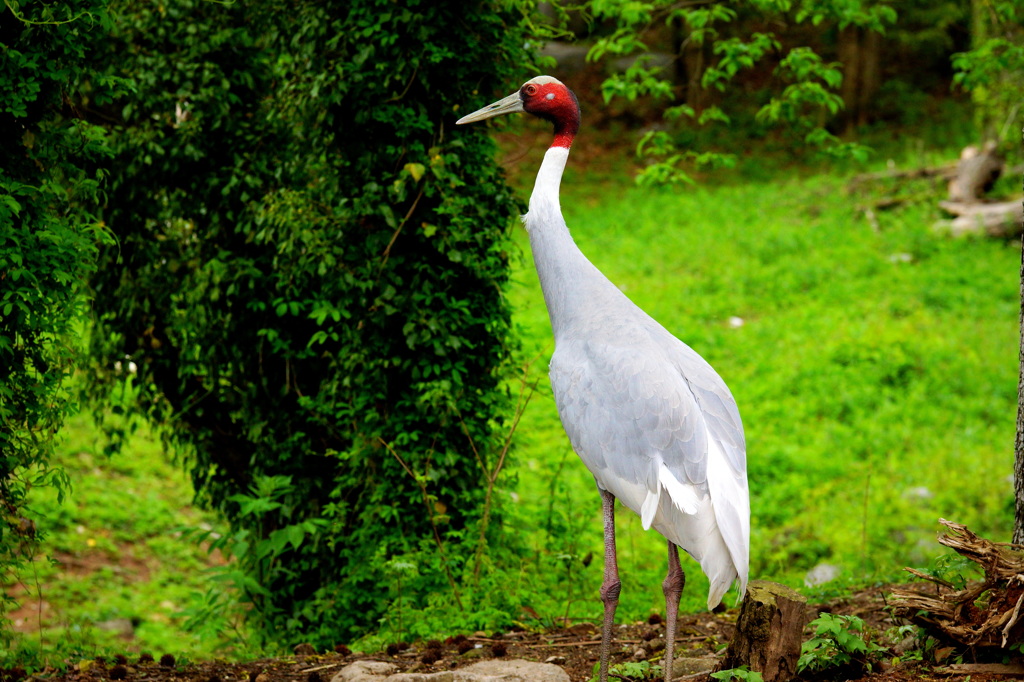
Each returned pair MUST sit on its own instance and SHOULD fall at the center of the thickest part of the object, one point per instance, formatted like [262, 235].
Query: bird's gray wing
[716, 402]
[635, 401]
[727, 480]
[627, 409]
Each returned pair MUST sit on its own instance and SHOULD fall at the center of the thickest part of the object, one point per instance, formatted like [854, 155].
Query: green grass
[113, 554]
[875, 369]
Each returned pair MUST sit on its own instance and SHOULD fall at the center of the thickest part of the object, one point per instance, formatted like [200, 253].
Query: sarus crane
[649, 417]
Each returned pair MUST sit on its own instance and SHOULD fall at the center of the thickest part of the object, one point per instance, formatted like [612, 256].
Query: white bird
[651, 420]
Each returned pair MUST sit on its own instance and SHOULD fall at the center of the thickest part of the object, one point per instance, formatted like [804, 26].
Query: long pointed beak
[507, 105]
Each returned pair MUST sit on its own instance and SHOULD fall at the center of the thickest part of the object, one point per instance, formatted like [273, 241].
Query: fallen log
[994, 219]
[947, 171]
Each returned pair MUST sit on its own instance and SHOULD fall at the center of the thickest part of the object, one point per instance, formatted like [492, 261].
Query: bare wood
[948, 171]
[944, 171]
[982, 668]
[769, 631]
[589, 642]
[995, 219]
[955, 615]
[976, 172]
[931, 578]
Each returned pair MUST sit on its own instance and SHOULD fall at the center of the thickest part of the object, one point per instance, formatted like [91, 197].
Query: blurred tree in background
[993, 70]
[806, 73]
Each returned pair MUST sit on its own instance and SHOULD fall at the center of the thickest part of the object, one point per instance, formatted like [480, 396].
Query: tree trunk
[1018, 462]
[769, 631]
[690, 69]
[859, 52]
[986, 107]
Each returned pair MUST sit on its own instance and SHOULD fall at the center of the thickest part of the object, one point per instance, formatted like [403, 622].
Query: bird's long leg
[673, 588]
[611, 586]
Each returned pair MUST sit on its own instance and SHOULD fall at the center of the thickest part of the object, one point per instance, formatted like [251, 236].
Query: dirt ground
[575, 649]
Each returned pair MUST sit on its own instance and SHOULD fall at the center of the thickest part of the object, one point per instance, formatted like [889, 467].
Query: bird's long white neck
[549, 178]
[567, 278]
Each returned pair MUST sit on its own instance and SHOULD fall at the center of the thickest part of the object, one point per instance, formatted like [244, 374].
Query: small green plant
[838, 642]
[742, 674]
[897, 634]
[955, 570]
[630, 670]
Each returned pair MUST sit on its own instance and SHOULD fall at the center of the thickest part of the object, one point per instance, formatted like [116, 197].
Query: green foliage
[954, 569]
[741, 674]
[118, 556]
[802, 91]
[49, 235]
[869, 375]
[310, 280]
[991, 70]
[838, 642]
[630, 670]
[307, 275]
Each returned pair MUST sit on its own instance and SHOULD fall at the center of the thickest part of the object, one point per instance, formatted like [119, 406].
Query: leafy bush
[309, 279]
[48, 246]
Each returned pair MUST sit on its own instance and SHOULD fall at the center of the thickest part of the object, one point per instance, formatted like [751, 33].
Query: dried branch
[962, 616]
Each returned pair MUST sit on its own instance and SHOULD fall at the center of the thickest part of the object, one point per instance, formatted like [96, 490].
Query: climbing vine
[309, 278]
[49, 239]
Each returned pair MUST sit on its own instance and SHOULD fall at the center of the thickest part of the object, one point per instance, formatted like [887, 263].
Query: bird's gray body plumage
[649, 417]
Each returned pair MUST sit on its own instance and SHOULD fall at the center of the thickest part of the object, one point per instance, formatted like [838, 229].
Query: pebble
[821, 574]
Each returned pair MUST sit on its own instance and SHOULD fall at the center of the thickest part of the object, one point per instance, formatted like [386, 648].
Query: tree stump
[975, 174]
[961, 616]
[769, 631]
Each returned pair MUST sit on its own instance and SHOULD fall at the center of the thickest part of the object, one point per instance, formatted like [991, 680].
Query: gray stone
[693, 666]
[121, 626]
[365, 671]
[484, 671]
[821, 574]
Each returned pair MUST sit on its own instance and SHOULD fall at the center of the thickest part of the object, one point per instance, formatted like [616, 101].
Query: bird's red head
[542, 96]
[549, 99]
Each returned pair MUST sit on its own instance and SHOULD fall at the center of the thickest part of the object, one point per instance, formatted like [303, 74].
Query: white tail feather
[684, 497]
[649, 508]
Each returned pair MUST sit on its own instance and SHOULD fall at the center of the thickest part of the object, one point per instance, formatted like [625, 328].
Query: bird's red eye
[530, 89]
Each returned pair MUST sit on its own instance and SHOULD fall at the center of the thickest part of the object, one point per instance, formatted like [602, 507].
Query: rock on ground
[484, 671]
[685, 667]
